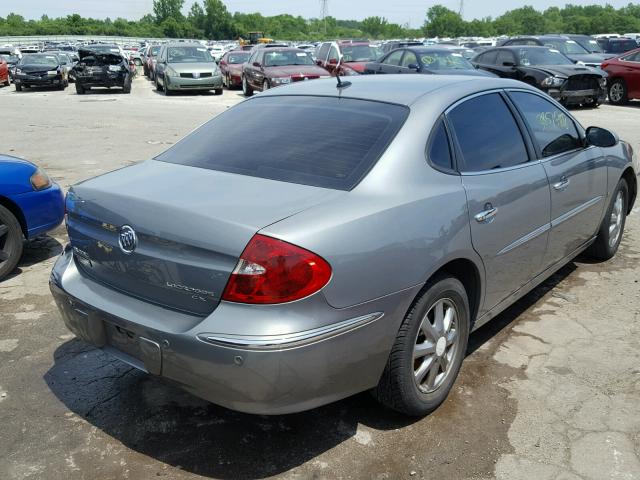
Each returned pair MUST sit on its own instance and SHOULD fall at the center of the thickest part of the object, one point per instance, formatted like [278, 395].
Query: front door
[507, 195]
[577, 175]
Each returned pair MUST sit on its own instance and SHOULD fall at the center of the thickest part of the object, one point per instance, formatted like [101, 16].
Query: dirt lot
[550, 389]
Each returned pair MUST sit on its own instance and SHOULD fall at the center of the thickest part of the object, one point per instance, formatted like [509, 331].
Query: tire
[612, 228]
[265, 86]
[126, 88]
[225, 81]
[145, 70]
[398, 388]
[617, 92]
[7, 82]
[79, 89]
[11, 242]
[167, 91]
[246, 88]
[158, 87]
[217, 91]
[18, 87]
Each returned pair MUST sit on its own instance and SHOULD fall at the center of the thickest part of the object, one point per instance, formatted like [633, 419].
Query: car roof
[399, 89]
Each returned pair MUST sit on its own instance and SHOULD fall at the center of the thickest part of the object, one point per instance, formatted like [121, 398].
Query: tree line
[210, 19]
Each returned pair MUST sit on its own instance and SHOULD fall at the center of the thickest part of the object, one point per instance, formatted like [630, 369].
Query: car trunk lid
[191, 225]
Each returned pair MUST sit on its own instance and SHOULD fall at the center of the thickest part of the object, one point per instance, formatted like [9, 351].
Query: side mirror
[600, 137]
[413, 66]
[508, 64]
[333, 61]
[256, 64]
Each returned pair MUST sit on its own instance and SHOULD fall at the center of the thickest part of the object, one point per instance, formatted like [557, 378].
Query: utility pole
[461, 8]
[324, 13]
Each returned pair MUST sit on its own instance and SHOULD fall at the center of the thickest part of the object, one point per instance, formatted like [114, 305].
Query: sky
[400, 11]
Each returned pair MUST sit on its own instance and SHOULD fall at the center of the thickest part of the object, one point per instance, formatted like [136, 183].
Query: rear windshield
[320, 141]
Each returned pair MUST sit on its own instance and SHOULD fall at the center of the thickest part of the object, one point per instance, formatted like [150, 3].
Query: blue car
[30, 205]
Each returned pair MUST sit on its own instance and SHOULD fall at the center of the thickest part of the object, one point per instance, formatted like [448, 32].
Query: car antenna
[341, 84]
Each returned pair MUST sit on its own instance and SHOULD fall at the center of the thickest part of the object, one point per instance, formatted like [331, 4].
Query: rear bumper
[265, 374]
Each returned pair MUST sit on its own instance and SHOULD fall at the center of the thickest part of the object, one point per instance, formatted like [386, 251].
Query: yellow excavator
[254, 38]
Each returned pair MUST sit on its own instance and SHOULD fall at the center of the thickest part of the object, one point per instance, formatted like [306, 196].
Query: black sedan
[426, 60]
[549, 70]
[40, 70]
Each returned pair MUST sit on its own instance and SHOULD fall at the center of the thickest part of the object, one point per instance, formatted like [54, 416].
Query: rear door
[505, 64]
[507, 194]
[577, 175]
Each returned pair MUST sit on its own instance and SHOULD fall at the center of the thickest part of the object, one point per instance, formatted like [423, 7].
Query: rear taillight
[274, 271]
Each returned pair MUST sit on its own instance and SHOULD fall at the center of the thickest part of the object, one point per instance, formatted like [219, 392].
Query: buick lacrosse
[326, 238]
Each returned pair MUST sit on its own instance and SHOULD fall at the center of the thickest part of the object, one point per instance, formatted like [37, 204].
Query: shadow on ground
[161, 421]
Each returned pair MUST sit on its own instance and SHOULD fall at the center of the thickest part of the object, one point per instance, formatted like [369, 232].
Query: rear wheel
[10, 242]
[429, 348]
[246, 89]
[612, 227]
[7, 82]
[217, 91]
[18, 87]
[618, 92]
[265, 86]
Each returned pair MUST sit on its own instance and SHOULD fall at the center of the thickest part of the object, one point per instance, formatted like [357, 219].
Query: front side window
[505, 56]
[409, 59]
[487, 134]
[553, 131]
[394, 58]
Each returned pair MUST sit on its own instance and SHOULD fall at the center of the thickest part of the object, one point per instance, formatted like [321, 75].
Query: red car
[346, 57]
[624, 77]
[231, 67]
[4, 73]
[272, 67]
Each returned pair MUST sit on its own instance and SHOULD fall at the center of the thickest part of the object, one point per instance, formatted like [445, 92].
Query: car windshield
[240, 57]
[189, 55]
[64, 60]
[445, 61]
[10, 58]
[154, 51]
[542, 56]
[568, 47]
[349, 137]
[622, 46]
[358, 53]
[287, 57]
[593, 46]
[103, 48]
[46, 60]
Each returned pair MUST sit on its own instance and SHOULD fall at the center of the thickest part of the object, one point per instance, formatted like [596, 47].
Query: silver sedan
[272, 271]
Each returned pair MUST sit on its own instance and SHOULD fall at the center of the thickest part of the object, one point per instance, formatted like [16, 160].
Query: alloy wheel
[616, 92]
[436, 345]
[615, 220]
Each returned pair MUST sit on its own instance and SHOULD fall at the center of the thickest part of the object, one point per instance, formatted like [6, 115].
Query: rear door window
[505, 56]
[320, 141]
[487, 134]
[553, 130]
[488, 58]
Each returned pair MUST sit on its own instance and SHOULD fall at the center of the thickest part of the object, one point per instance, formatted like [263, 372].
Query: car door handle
[486, 215]
[562, 184]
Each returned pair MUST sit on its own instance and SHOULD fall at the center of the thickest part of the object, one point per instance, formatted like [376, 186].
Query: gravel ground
[550, 389]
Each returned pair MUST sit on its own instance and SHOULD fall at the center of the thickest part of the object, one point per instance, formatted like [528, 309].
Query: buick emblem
[128, 240]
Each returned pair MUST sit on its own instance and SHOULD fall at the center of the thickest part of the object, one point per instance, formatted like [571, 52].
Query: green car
[185, 66]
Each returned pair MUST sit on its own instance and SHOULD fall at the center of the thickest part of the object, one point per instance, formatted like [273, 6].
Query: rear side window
[439, 152]
[505, 56]
[325, 142]
[552, 129]
[487, 134]
[488, 58]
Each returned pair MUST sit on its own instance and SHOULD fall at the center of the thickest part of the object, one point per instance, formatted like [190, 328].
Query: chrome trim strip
[291, 340]
[528, 237]
[579, 209]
